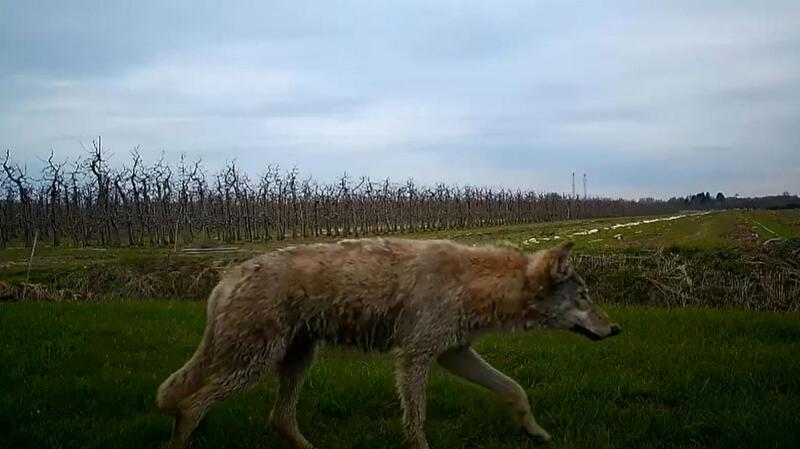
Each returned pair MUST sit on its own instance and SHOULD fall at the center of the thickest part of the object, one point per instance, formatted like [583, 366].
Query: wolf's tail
[189, 378]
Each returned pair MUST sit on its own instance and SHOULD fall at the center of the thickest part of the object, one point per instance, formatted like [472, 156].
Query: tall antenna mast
[573, 184]
[584, 186]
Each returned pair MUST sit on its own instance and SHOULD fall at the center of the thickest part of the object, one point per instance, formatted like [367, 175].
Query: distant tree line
[705, 200]
[87, 202]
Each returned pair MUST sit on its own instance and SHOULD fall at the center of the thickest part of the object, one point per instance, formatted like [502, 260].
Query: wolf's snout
[586, 332]
[597, 334]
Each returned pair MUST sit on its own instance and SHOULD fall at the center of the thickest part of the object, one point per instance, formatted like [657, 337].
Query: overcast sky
[648, 98]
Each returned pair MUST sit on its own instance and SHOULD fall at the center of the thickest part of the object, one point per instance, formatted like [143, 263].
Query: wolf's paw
[289, 431]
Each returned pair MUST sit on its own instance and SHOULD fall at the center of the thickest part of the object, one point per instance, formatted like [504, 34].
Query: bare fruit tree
[90, 202]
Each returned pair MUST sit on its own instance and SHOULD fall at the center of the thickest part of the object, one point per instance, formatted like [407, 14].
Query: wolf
[424, 301]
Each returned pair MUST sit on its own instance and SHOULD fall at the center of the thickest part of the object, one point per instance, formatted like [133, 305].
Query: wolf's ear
[561, 267]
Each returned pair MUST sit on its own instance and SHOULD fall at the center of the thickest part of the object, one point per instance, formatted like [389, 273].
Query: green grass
[713, 230]
[84, 376]
[769, 224]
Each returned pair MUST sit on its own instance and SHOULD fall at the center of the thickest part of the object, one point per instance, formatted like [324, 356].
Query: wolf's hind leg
[291, 371]
[466, 363]
[412, 378]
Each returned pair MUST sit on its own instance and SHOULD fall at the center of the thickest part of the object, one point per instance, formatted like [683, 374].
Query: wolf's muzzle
[615, 330]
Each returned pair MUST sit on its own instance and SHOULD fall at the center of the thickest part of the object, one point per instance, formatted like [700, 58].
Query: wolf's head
[563, 301]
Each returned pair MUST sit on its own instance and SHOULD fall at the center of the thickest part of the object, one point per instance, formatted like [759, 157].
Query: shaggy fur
[425, 301]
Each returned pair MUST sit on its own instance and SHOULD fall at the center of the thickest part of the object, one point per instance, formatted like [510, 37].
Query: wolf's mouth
[586, 332]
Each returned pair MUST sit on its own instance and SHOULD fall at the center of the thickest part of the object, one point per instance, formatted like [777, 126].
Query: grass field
[84, 376]
[771, 224]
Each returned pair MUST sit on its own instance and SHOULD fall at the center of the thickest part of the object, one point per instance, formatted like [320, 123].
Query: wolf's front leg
[467, 364]
[412, 378]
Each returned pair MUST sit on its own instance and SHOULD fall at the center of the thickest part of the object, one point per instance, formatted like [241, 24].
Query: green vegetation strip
[83, 375]
[770, 224]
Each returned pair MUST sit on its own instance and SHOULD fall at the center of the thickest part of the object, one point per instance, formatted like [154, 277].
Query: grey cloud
[664, 96]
